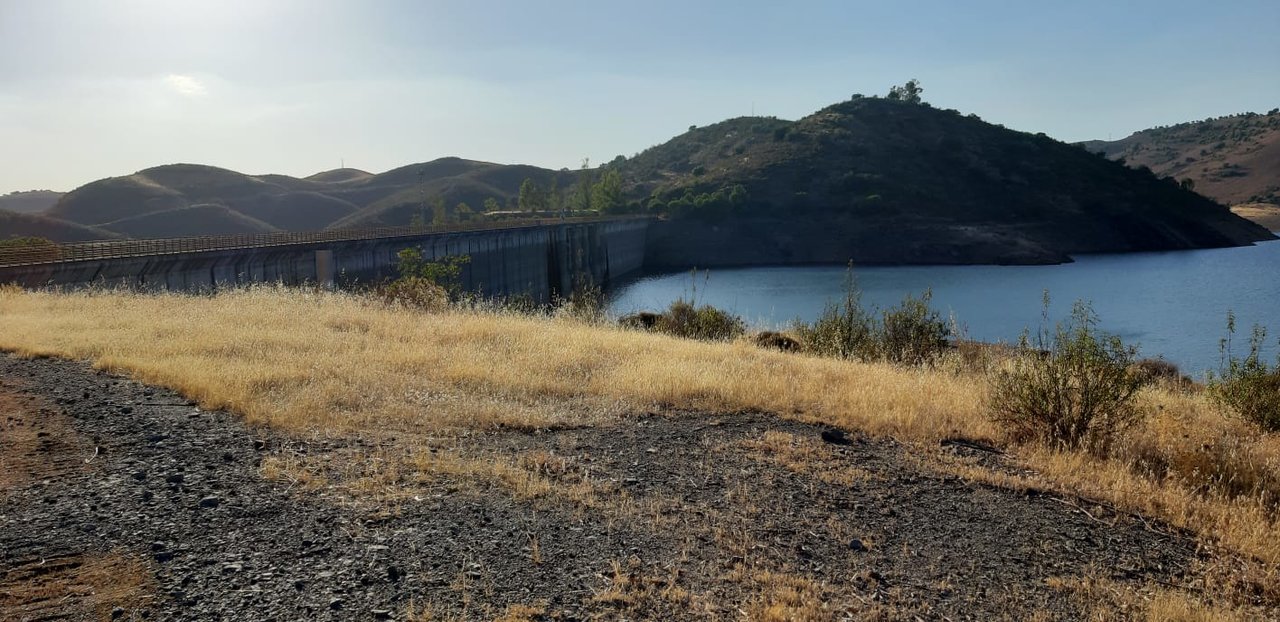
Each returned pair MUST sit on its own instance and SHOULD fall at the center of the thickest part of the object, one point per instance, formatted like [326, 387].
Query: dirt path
[123, 501]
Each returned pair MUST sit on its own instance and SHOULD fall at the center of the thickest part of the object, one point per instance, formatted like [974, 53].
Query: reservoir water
[1172, 304]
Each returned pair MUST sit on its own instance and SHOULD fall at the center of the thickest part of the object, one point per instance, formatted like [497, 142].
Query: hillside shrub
[415, 292]
[1248, 387]
[445, 272]
[425, 285]
[911, 333]
[844, 329]
[684, 319]
[1070, 389]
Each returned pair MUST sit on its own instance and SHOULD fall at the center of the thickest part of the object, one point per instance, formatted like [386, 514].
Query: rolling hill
[1233, 159]
[340, 175]
[884, 181]
[870, 179]
[194, 220]
[29, 201]
[191, 199]
[18, 225]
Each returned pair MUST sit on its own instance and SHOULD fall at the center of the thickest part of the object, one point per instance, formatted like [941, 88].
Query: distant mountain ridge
[1233, 159]
[190, 199]
[872, 180]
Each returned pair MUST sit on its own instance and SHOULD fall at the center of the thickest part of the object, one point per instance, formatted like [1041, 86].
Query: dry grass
[782, 597]
[629, 589]
[306, 362]
[1107, 600]
[325, 363]
[1265, 214]
[76, 587]
[804, 455]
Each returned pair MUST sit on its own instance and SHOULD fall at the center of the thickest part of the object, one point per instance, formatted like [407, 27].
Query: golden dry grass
[1265, 214]
[315, 363]
[306, 362]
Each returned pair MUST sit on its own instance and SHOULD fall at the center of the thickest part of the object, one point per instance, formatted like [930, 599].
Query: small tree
[491, 205]
[606, 195]
[531, 197]
[439, 213]
[909, 92]
[555, 198]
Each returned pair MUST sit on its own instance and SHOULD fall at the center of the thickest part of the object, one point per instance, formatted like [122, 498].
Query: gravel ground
[128, 502]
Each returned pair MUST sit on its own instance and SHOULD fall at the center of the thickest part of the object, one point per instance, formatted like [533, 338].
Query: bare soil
[661, 516]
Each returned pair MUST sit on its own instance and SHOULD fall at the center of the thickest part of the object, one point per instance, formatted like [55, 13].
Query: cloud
[186, 86]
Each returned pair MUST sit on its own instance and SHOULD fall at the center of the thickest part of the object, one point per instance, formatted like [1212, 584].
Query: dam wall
[542, 260]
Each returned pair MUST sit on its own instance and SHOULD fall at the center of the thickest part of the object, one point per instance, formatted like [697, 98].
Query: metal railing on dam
[539, 257]
[118, 249]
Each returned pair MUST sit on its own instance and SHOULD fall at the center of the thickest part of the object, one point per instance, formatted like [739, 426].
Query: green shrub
[445, 271]
[683, 319]
[1071, 390]
[1248, 387]
[844, 330]
[913, 333]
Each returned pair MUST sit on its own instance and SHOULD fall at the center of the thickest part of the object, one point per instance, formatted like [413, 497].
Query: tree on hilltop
[909, 92]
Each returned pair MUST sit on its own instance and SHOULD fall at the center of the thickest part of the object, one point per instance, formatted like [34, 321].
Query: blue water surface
[1172, 304]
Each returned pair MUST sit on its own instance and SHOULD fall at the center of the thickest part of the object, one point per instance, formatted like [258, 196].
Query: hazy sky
[98, 88]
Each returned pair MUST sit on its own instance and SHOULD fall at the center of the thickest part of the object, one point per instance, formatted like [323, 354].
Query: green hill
[884, 181]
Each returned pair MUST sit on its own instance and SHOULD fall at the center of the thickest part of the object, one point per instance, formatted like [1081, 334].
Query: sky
[99, 88]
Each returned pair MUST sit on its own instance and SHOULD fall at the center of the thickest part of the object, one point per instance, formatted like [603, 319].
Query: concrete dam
[543, 259]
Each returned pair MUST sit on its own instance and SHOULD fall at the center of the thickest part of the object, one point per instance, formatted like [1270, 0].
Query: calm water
[1170, 304]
